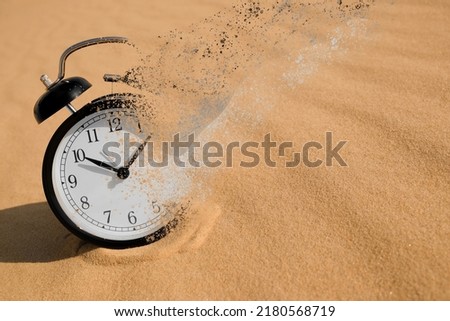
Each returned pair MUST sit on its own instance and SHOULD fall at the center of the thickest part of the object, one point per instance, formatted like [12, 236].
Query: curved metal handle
[80, 45]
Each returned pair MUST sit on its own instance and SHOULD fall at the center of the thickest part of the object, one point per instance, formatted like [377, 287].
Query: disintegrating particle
[212, 57]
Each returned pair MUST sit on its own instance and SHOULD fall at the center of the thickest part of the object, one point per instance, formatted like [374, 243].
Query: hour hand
[102, 164]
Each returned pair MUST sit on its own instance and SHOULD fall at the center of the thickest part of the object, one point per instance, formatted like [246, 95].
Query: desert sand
[376, 77]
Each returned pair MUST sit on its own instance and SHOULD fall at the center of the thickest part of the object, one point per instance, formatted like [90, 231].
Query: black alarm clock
[98, 199]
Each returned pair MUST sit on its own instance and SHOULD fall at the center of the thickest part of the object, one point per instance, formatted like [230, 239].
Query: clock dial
[98, 181]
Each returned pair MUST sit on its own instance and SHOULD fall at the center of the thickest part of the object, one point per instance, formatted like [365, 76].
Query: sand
[377, 229]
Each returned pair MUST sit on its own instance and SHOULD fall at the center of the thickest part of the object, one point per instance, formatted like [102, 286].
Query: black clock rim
[102, 103]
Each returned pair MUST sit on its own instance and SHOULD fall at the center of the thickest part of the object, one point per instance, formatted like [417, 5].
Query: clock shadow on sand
[31, 233]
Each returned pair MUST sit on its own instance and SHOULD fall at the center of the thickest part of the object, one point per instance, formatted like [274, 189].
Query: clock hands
[122, 172]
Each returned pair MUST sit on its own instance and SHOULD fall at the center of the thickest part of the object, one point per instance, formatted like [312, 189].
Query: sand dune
[377, 229]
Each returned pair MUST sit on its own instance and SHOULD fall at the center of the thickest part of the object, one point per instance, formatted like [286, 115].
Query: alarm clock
[101, 199]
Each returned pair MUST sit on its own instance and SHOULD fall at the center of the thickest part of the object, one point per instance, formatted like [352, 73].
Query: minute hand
[137, 152]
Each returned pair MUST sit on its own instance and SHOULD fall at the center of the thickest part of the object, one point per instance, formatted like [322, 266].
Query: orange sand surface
[377, 229]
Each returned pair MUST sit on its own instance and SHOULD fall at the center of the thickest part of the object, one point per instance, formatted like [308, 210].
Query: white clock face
[100, 188]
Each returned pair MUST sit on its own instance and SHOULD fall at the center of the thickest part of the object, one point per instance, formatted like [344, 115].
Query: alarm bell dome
[58, 96]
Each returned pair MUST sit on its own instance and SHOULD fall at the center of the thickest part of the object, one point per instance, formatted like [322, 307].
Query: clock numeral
[114, 125]
[108, 212]
[79, 155]
[156, 207]
[72, 181]
[131, 218]
[84, 203]
[92, 135]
